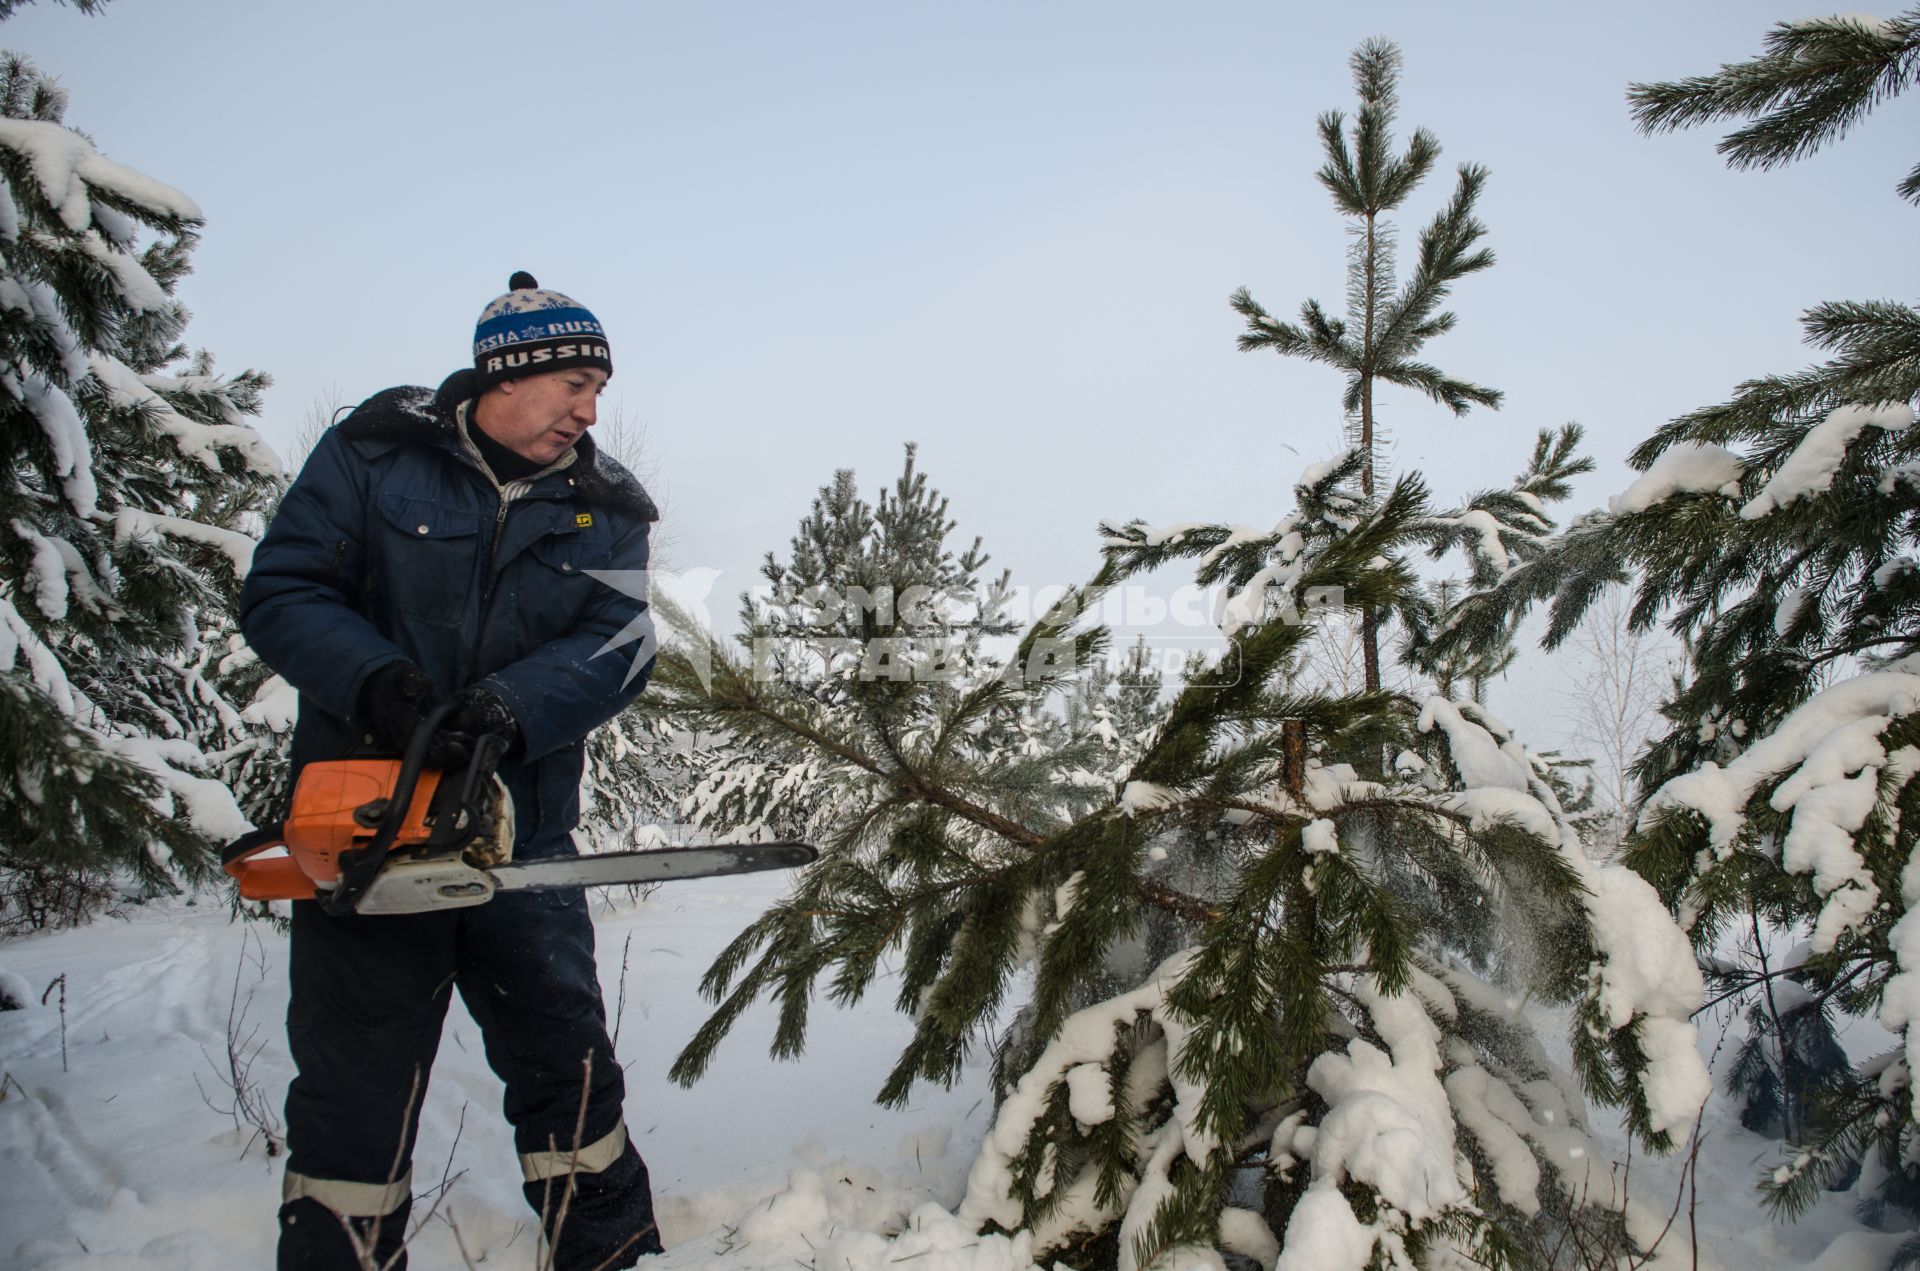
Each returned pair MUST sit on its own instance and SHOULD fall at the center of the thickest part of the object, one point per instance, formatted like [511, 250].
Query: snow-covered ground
[117, 1161]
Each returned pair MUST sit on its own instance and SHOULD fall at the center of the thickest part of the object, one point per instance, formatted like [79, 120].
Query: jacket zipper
[505, 494]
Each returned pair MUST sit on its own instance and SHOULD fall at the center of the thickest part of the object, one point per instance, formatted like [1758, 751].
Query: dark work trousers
[369, 995]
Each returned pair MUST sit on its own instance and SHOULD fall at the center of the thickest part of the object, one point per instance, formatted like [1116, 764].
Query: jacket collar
[422, 416]
[471, 446]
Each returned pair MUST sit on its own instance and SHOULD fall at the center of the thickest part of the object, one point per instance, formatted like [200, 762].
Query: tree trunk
[1293, 758]
[1369, 628]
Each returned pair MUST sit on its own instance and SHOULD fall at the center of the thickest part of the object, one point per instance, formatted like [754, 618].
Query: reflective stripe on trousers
[375, 1200]
[349, 1200]
[592, 1158]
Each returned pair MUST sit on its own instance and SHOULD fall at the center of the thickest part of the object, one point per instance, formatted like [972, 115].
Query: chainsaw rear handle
[358, 867]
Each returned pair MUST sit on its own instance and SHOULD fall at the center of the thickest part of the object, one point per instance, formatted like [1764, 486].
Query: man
[436, 545]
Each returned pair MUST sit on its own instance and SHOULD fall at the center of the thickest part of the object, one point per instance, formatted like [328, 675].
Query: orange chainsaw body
[337, 807]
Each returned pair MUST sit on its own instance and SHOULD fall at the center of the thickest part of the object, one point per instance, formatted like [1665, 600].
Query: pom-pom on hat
[530, 331]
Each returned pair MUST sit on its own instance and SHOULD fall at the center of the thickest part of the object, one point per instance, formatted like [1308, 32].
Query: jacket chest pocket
[429, 552]
[556, 589]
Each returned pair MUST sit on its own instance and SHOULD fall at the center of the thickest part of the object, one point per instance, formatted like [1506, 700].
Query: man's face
[540, 417]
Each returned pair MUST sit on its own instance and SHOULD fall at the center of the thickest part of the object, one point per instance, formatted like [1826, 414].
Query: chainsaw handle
[456, 809]
[357, 868]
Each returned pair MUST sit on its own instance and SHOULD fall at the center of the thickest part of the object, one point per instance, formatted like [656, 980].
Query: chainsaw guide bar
[411, 886]
[611, 869]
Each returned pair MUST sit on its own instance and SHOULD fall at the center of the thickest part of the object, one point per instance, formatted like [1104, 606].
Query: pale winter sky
[1005, 230]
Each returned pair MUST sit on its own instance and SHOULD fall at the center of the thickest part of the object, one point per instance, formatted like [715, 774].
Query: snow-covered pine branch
[1822, 802]
[135, 492]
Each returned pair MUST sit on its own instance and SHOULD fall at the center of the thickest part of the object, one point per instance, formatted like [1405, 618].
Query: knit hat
[529, 331]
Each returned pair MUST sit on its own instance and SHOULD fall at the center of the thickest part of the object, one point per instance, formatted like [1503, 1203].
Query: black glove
[394, 701]
[477, 712]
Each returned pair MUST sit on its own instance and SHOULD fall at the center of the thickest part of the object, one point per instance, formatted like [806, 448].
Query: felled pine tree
[1339, 1022]
[1777, 535]
[1388, 322]
[132, 498]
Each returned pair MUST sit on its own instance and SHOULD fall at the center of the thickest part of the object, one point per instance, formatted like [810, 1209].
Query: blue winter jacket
[396, 542]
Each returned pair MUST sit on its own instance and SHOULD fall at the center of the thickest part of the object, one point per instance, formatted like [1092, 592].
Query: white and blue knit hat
[529, 331]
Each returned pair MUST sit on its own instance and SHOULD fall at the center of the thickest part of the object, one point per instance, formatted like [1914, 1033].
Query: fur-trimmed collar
[414, 414]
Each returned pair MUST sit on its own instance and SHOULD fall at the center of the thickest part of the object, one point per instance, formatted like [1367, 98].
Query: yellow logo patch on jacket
[583, 520]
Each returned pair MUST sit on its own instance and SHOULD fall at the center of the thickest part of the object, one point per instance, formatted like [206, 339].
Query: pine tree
[1387, 323]
[1335, 1018]
[1778, 536]
[870, 598]
[135, 490]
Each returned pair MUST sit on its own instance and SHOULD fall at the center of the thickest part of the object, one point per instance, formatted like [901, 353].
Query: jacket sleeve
[299, 606]
[571, 685]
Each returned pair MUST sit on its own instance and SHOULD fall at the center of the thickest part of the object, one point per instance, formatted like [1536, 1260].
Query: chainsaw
[393, 836]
